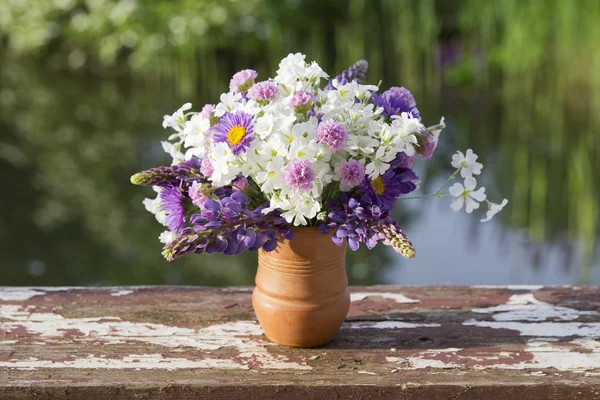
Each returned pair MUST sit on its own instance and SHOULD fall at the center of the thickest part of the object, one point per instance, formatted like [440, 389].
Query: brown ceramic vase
[301, 296]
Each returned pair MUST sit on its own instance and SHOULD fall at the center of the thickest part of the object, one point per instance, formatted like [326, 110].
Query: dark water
[77, 120]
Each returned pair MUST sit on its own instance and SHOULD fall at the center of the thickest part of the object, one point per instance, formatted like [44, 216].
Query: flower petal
[457, 204]
[470, 183]
[478, 194]
[456, 190]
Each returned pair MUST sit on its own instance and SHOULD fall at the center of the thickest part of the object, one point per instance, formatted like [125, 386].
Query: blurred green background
[84, 85]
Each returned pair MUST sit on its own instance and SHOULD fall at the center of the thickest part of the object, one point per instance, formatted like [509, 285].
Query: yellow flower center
[378, 186]
[235, 135]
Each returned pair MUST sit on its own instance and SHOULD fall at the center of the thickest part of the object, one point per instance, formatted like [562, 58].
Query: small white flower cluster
[299, 122]
[465, 193]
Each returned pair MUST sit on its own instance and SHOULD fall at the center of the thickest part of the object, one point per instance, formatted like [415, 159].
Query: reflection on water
[81, 108]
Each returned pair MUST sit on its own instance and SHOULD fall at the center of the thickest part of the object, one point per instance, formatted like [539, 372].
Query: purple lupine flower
[196, 195]
[355, 73]
[358, 220]
[242, 80]
[298, 175]
[302, 101]
[352, 173]
[236, 130]
[228, 226]
[172, 175]
[263, 92]
[206, 167]
[333, 134]
[172, 204]
[395, 101]
[386, 188]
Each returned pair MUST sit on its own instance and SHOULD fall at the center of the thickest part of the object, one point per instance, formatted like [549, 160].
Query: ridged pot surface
[301, 296]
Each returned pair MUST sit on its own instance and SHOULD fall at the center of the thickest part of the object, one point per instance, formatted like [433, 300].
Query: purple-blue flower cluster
[228, 226]
[361, 221]
[355, 73]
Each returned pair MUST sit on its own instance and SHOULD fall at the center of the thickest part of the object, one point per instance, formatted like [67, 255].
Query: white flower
[176, 120]
[270, 178]
[494, 209]
[154, 206]
[264, 126]
[224, 167]
[303, 149]
[229, 103]
[379, 162]
[194, 135]
[435, 130]
[273, 148]
[404, 127]
[303, 207]
[467, 162]
[277, 201]
[467, 195]
[167, 237]
[174, 151]
[361, 144]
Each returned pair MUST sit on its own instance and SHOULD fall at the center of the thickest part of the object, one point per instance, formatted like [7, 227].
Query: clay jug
[301, 296]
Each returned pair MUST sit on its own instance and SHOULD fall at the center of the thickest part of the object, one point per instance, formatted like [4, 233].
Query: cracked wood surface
[397, 343]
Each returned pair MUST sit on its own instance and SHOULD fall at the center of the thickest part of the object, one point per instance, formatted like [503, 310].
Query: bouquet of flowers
[285, 152]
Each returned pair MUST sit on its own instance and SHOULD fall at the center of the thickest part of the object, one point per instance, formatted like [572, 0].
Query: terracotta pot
[301, 296]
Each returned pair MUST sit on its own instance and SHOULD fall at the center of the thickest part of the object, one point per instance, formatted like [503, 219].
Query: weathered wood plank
[398, 342]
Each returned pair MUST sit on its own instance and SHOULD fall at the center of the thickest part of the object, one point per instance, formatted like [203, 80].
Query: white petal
[476, 168]
[466, 172]
[470, 183]
[456, 190]
[478, 194]
[471, 205]
[470, 157]
[457, 204]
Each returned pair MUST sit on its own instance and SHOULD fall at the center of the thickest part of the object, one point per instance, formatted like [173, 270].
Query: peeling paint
[525, 307]
[529, 288]
[132, 361]
[538, 356]
[18, 293]
[244, 336]
[397, 297]
[122, 292]
[529, 316]
[386, 325]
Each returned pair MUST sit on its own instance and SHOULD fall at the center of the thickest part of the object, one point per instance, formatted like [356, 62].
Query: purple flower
[239, 185]
[355, 73]
[403, 161]
[386, 188]
[427, 145]
[298, 175]
[172, 205]
[395, 101]
[243, 80]
[236, 130]
[206, 167]
[302, 101]
[352, 173]
[333, 134]
[263, 92]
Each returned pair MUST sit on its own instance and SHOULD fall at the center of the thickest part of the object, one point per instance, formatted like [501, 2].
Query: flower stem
[437, 194]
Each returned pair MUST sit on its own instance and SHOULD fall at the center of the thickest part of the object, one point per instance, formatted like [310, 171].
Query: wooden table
[398, 343]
